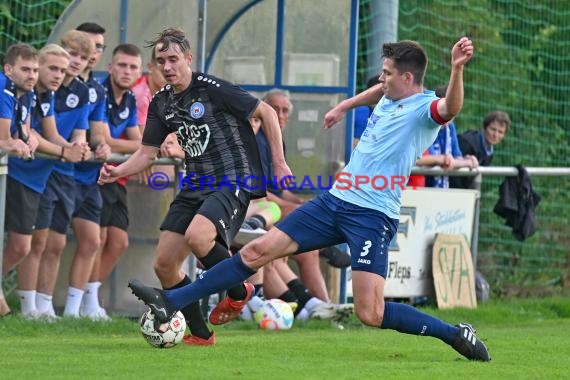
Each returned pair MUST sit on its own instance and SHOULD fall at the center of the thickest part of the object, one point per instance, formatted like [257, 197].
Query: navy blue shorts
[88, 203]
[57, 203]
[326, 221]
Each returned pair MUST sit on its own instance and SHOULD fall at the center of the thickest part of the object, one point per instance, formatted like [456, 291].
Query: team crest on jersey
[72, 100]
[197, 110]
[92, 95]
[45, 108]
[125, 114]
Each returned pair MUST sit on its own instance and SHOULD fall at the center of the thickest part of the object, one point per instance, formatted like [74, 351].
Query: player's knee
[117, 244]
[252, 255]
[90, 244]
[199, 241]
[369, 316]
[163, 267]
[20, 249]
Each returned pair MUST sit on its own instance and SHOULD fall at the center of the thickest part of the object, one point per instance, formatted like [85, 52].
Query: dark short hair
[128, 49]
[91, 27]
[440, 91]
[16, 51]
[407, 56]
[500, 117]
[373, 81]
[170, 36]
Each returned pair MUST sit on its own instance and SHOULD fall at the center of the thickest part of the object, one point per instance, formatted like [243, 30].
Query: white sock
[74, 296]
[312, 303]
[303, 315]
[91, 297]
[44, 303]
[27, 301]
[255, 303]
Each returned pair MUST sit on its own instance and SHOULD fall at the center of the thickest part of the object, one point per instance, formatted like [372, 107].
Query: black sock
[289, 296]
[217, 254]
[193, 314]
[256, 221]
[303, 295]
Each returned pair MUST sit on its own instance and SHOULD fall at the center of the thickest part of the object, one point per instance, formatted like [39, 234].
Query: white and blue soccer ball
[275, 314]
[163, 335]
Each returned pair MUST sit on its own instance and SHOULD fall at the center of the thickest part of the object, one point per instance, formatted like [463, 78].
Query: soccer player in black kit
[210, 118]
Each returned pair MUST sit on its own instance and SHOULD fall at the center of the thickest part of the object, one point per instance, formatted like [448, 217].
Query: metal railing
[502, 171]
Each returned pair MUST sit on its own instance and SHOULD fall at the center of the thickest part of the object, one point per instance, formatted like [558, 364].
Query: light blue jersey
[397, 134]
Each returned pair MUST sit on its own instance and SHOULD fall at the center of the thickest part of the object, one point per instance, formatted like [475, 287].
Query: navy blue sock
[409, 320]
[226, 274]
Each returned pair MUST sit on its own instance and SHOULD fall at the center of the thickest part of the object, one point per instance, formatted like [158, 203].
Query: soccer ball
[275, 314]
[163, 335]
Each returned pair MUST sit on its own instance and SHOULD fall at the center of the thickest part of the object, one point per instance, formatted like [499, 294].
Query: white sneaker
[328, 310]
[343, 312]
[32, 315]
[99, 315]
[247, 233]
[325, 310]
[48, 316]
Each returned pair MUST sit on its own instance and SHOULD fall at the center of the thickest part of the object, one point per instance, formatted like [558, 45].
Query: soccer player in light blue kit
[360, 213]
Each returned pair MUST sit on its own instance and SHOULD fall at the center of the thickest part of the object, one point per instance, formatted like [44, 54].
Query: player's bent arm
[50, 133]
[97, 135]
[465, 162]
[5, 130]
[46, 146]
[125, 146]
[271, 129]
[9, 144]
[79, 136]
[32, 139]
[367, 97]
[450, 106]
[430, 160]
[290, 197]
[141, 159]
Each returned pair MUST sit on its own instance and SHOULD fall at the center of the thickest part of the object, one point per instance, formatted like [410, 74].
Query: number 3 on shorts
[366, 248]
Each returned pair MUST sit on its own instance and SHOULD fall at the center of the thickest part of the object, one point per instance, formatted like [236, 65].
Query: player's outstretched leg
[154, 299]
[469, 345]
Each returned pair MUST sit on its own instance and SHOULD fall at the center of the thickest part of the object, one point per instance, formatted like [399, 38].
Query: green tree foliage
[28, 21]
[520, 66]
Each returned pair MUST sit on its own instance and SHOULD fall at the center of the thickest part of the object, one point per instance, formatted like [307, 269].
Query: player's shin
[222, 276]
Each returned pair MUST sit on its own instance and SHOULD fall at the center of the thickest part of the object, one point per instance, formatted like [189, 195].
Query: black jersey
[211, 121]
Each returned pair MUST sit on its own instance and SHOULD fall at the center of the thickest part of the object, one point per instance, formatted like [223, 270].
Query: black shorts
[21, 207]
[115, 212]
[221, 207]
